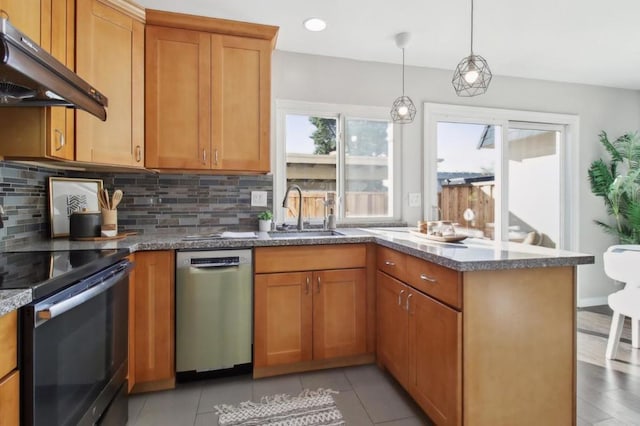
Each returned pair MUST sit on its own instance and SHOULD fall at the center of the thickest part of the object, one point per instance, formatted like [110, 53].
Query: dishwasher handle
[214, 265]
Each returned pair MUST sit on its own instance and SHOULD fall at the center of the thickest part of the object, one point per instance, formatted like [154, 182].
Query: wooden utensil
[106, 199]
[117, 197]
[101, 200]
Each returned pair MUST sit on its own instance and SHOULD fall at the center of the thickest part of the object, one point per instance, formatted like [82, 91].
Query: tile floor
[368, 396]
[608, 391]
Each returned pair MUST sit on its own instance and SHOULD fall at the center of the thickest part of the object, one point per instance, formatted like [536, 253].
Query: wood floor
[608, 391]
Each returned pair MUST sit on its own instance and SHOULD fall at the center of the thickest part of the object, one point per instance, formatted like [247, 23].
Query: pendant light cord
[403, 71]
[472, 27]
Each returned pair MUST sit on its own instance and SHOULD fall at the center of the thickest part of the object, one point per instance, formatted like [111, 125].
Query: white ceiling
[583, 41]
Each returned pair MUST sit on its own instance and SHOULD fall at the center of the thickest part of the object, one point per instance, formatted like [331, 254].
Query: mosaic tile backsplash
[152, 203]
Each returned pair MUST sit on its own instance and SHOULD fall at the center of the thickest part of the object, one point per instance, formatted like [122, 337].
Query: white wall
[336, 80]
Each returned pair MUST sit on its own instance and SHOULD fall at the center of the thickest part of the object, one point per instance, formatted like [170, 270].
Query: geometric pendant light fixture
[403, 110]
[472, 75]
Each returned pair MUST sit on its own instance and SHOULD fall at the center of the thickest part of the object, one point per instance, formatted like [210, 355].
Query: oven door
[75, 350]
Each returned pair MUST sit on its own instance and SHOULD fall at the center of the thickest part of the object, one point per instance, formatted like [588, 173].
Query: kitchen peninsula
[477, 332]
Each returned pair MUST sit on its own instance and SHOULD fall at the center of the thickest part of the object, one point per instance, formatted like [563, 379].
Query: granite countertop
[13, 299]
[468, 255]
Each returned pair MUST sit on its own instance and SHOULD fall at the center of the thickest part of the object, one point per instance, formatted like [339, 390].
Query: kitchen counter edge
[472, 255]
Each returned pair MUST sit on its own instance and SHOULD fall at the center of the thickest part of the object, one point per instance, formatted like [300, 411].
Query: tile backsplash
[152, 203]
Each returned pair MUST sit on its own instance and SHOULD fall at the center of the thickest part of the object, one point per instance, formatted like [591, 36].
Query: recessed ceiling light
[315, 24]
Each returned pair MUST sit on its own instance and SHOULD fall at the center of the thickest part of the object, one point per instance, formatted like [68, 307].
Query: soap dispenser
[331, 220]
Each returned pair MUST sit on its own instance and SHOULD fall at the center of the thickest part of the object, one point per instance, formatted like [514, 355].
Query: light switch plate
[414, 199]
[259, 198]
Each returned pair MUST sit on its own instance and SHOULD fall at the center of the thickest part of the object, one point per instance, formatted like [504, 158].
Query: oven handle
[51, 311]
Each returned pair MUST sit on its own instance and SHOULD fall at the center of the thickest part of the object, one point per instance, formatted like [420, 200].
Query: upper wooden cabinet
[208, 93]
[103, 41]
[110, 55]
[41, 133]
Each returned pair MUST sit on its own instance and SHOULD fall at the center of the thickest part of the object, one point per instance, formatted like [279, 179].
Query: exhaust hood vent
[31, 77]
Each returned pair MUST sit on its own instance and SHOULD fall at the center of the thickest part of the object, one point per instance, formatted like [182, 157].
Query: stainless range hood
[31, 77]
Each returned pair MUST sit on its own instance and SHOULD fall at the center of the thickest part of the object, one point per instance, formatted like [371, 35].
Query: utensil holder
[110, 217]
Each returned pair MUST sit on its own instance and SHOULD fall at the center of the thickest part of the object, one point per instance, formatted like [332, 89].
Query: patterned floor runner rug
[310, 408]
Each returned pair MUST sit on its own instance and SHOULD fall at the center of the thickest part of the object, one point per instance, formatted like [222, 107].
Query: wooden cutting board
[116, 237]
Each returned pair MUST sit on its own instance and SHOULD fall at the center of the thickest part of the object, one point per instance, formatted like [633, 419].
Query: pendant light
[403, 110]
[472, 75]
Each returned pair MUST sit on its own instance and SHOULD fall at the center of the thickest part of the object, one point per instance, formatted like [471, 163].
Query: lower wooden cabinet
[154, 321]
[421, 345]
[10, 400]
[313, 318]
[9, 376]
[283, 319]
[393, 327]
[479, 347]
[300, 316]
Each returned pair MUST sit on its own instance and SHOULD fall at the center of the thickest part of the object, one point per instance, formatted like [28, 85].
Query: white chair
[622, 263]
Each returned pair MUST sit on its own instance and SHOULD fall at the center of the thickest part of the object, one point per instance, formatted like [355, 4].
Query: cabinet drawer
[309, 258]
[8, 342]
[10, 400]
[437, 281]
[392, 262]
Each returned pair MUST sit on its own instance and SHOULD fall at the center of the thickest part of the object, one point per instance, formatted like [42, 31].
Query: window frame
[506, 118]
[341, 112]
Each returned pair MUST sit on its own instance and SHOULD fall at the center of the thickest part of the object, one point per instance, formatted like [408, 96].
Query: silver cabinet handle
[400, 297]
[215, 159]
[425, 277]
[318, 284]
[306, 288]
[408, 300]
[389, 263]
[61, 139]
[138, 153]
[204, 156]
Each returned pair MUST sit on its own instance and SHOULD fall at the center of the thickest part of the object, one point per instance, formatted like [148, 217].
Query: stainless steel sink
[304, 234]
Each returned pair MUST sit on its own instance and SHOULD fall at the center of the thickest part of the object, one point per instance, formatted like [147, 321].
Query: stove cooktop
[46, 272]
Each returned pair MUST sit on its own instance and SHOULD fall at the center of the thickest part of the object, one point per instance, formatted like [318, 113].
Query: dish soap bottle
[331, 220]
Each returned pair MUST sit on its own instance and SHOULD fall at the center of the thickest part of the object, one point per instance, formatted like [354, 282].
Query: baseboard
[592, 301]
[154, 386]
[276, 370]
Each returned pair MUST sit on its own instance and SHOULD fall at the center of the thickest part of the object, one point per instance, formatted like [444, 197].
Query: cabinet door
[131, 376]
[154, 318]
[435, 358]
[41, 132]
[393, 326]
[26, 15]
[282, 318]
[10, 400]
[178, 98]
[109, 54]
[241, 103]
[60, 131]
[339, 313]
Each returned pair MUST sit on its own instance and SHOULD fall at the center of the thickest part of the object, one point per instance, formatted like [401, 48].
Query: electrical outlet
[414, 199]
[259, 198]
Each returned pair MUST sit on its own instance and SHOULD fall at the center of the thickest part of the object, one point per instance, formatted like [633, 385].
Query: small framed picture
[67, 195]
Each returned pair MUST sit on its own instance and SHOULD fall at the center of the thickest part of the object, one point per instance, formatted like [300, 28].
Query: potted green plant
[264, 221]
[618, 183]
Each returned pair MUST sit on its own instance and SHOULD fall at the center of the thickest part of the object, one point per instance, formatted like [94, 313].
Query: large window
[503, 174]
[342, 158]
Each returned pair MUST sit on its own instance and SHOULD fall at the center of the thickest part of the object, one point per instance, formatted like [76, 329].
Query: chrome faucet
[286, 199]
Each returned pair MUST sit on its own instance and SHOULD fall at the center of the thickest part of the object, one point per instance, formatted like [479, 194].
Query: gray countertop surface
[468, 255]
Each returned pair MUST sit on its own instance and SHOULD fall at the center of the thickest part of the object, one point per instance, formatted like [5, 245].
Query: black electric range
[46, 272]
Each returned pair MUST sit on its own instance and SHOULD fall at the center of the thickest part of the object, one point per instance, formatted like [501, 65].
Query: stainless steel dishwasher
[213, 313]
